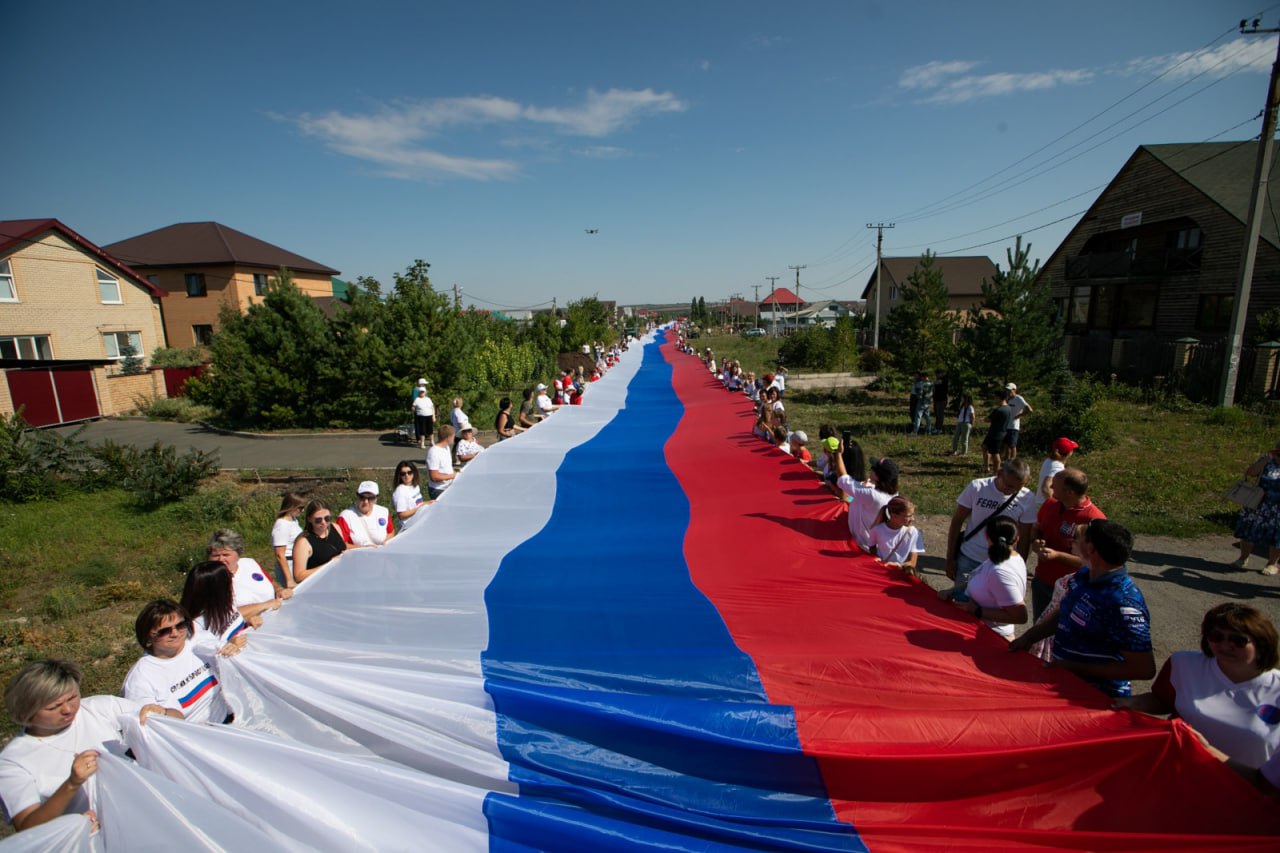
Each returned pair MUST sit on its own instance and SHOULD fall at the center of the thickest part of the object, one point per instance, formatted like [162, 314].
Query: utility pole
[1261, 175]
[457, 298]
[757, 287]
[798, 299]
[879, 226]
[773, 312]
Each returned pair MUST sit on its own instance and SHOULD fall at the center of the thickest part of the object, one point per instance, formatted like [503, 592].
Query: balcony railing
[1145, 263]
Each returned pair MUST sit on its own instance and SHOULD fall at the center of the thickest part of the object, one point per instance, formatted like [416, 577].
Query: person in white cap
[365, 523]
[424, 414]
[545, 406]
[1020, 407]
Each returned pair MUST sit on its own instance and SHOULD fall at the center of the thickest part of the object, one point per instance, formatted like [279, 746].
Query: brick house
[205, 265]
[1156, 259]
[69, 313]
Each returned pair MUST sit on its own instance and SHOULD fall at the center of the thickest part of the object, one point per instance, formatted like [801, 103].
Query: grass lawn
[75, 572]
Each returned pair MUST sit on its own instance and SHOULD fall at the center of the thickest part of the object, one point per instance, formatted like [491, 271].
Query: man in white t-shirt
[1006, 492]
[440, 472]
[1019, 407]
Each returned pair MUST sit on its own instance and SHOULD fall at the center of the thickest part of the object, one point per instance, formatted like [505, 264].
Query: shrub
[62, 602]
[31, 460]
[874, 360]
[179, 409]
[179, 357]
[159, 475]
[1072, 413]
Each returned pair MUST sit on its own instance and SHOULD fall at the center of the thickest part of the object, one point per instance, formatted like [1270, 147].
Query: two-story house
[205, 265]
[1156, 259]
[70, 315]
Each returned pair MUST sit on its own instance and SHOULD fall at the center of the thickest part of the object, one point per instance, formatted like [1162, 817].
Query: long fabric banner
[636, 627]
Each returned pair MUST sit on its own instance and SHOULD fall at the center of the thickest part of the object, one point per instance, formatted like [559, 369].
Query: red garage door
[53, 395]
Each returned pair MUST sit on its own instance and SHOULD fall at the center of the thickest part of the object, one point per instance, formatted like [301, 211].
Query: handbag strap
[969, 534]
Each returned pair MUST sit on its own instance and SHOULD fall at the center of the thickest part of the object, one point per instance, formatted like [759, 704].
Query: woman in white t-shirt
[406, 499]
[44, 768]
[997, 590]
[171, 674]
[284, 532]
[866, 499]
[365, 524]
[252, 589]
[1229, 691]
[208, 597]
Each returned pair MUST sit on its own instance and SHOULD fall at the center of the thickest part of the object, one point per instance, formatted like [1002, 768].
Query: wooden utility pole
[1261, 176]
[879, 226]
[799, 301]
[773, 311]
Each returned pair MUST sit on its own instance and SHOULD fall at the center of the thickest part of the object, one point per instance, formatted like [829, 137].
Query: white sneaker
[1238, 563]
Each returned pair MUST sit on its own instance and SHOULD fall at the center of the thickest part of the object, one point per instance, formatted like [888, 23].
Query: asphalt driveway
[318, 450]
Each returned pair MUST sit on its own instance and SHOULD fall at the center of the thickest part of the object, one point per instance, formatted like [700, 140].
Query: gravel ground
[1180, 579]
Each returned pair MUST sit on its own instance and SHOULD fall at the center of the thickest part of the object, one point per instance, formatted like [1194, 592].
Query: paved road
[356, 450]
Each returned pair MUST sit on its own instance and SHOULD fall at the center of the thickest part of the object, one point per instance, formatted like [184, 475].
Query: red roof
[209, 244]
[782, 296]
[22, 231]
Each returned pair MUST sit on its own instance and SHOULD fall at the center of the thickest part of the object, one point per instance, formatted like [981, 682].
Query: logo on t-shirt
[1269, 714]
[382, 522]
[258, 576]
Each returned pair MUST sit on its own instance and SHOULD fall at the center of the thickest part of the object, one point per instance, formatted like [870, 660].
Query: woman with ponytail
[997, 591]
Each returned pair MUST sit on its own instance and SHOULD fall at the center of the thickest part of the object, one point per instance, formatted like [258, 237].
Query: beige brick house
[205, 265]
[69, 314]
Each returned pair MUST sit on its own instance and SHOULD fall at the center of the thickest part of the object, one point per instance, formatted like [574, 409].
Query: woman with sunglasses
[209, 598]
[319, 543]
[170, 674]
[406, 499]
[1229, 691]
[365, 524]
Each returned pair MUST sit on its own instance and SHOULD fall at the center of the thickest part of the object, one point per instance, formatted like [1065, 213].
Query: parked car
[753, 333]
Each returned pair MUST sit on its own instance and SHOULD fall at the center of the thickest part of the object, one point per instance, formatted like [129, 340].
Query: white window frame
[33, 346]
[8, 290]
[105, 277]
[112, 343]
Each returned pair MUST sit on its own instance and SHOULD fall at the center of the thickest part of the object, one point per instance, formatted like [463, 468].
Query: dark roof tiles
[209, 244]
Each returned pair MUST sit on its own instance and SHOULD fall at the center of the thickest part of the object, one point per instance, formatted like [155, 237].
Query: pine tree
[1014, 334]
[921, 331]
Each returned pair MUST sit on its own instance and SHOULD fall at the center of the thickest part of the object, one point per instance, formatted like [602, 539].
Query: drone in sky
[592, 230]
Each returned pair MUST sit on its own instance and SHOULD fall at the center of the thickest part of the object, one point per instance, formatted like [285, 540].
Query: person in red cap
[1059, 453]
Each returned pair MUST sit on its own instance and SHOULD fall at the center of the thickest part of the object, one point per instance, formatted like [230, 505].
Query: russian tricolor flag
[636, 627]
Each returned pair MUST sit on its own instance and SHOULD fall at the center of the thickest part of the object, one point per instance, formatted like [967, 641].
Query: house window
[893, 293]
[1129, 306]
[8, 293]
[117, 342]
[203, 334]
[1187, 238]
[195, 284]
[108, 287]
[1214, 312]
[259, 284]
[34, 347]
[1078, 308]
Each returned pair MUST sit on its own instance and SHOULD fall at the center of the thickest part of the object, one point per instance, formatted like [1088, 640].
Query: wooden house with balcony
[1155, 260]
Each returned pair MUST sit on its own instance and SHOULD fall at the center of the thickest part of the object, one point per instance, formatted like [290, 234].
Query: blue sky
[713, 144]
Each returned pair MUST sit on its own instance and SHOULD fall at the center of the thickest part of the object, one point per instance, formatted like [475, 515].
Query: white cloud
[950, 82]
[705, 65]
[393, 136]
[931, 74]
[604, 113]
[1239, 54]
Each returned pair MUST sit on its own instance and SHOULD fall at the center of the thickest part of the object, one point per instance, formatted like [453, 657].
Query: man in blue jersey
[1103, 630]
